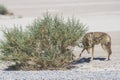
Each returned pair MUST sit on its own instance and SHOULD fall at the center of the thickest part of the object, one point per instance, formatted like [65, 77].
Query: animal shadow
[87, 60]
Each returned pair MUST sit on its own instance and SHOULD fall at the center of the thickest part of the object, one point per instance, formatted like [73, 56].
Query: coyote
[93, 38]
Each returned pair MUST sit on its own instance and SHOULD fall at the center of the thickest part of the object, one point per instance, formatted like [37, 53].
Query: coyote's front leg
[81, 52]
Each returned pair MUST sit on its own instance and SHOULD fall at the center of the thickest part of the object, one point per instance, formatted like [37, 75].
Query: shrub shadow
[12, 68]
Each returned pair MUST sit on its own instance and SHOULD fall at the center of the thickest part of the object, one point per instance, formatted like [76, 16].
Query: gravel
[60, 75]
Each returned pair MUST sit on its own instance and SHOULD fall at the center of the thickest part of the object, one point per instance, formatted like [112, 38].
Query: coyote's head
[86, 42]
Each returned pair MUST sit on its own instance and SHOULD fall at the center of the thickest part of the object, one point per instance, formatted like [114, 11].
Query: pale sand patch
[100, 15]
[66, 7]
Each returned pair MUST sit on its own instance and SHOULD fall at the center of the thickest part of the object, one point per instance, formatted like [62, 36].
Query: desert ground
[98, 15]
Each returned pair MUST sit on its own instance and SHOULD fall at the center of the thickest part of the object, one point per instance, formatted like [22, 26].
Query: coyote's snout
[93, 38]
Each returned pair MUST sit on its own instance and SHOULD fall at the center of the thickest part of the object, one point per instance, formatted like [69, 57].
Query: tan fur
[93, 38]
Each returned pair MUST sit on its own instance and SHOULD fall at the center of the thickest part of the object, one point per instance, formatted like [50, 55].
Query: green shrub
[3, 10]
[43, 45]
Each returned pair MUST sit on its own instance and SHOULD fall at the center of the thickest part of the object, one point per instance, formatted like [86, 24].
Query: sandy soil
[100, 15]
[67, 7]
